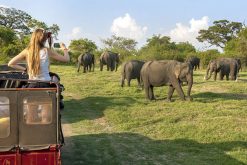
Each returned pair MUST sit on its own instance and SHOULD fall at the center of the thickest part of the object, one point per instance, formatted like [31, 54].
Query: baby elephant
[131, 70]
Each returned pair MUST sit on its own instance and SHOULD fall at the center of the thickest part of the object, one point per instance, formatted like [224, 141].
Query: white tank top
[44, 67]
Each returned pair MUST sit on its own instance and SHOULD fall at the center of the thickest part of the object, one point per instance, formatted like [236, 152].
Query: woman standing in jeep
[37, 58]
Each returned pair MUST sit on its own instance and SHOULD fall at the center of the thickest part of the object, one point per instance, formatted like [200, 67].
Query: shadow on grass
[130, 148]
[91, 108]
[214, 97]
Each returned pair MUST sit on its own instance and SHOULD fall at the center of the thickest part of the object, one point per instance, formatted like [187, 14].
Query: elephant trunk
[210, 74]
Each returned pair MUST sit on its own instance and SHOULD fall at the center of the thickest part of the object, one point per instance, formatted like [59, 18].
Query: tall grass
[108, 124]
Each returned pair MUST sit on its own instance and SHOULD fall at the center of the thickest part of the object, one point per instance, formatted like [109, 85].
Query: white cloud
[126, 26]
[76, 33]
[183, 33]
[4, 6]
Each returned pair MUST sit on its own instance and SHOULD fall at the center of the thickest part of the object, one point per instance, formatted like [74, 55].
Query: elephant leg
[179, 89]
[170, 93]
[90, 66]
[101, 66]
[227, 77]
[84, 69]
[197, 67]
[107, 67]
[215, 76]
[151, 92]
[146, 88]
[129, 81]
[221, 76]
[138, 81]
[116, 66]
[112, 66]
[79, 65]
[122, 81]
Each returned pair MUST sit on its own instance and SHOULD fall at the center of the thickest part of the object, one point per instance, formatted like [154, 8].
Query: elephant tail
[123, 70]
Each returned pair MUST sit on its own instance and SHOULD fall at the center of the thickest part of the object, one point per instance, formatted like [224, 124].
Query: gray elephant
[131, 70]
[110, 59]
[87, 61]
[224, 66]
[194, 61]
[167, 72]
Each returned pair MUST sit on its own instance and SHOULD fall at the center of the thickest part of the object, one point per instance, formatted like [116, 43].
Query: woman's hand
[62, 46]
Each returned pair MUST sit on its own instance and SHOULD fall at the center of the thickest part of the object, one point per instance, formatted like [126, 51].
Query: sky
[181, 20]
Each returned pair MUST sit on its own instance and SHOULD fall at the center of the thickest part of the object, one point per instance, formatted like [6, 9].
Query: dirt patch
[67, 132]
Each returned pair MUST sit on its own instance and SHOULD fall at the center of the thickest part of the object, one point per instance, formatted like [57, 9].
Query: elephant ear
[177, 70]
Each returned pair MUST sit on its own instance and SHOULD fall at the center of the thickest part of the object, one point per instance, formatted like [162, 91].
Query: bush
[208, 55]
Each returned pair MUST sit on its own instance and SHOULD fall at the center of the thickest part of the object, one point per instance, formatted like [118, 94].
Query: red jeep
[30, 122]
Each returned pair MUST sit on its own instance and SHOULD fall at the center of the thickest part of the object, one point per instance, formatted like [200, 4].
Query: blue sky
[137, 19]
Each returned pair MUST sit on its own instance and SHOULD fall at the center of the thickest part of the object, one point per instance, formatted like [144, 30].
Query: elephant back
[88, 57]
[136, 67]
[104, 57]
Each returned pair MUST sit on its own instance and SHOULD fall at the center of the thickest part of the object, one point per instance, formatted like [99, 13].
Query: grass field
[107, 124]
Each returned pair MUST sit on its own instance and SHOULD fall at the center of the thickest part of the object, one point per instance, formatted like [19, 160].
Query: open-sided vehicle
[30, 123]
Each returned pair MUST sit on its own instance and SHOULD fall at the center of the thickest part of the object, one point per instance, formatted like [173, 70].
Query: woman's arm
[58, 57]
[20, 57]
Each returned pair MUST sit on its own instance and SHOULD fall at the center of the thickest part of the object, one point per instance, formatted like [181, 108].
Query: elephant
[167, 72]
[223, 66]
[87, 61]
[131, 70]
[194, 61]
[110, 59]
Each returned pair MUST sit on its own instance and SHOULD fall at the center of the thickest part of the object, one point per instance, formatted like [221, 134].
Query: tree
[220, 33]
[15, 28]
[7, 36]
[122, 45]
[208, 55]
[116, 42]
[22, 23]
[186, 47]
[163, 42]
[34, 24]
[15, 19]
[159, 47]
[81, 46]
[238, 47]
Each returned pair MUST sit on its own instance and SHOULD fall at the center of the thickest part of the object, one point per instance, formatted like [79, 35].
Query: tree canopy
[15, 29]
[15, 19]
[22, 23]
[116, 42]
[220, 33]
[237, 47]
[125, 46]
[81, 46]
[160, 47]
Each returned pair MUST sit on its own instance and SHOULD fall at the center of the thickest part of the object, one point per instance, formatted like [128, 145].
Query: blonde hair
[36, 44]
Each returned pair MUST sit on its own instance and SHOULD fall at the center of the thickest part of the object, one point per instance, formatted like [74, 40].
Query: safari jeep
[30, 124]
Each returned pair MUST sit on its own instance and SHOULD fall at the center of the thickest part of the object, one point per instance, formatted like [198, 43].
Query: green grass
[108, 124]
